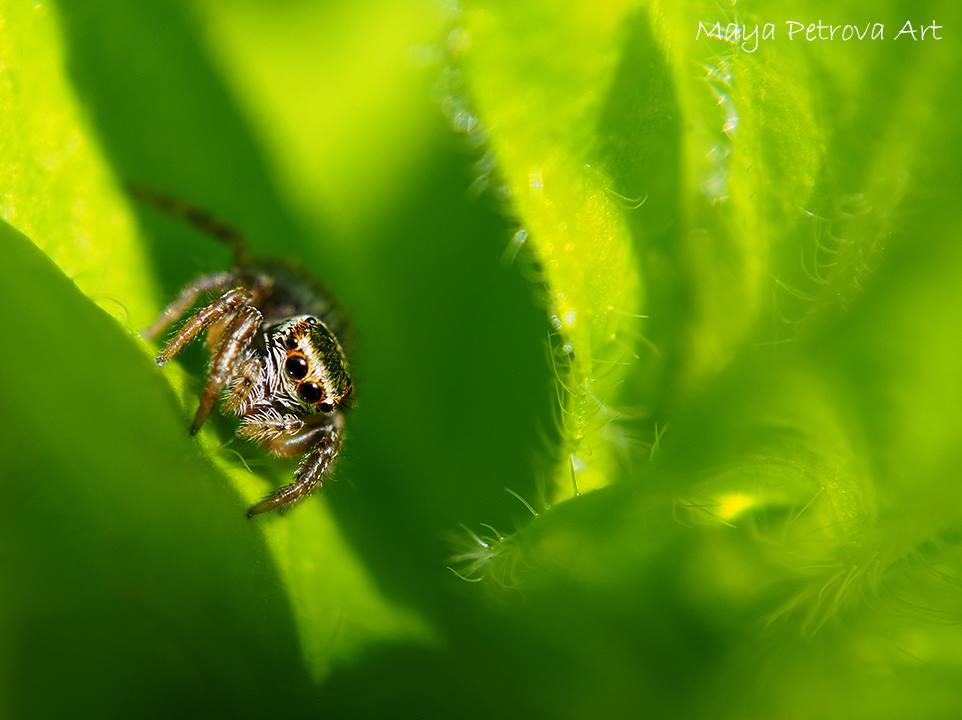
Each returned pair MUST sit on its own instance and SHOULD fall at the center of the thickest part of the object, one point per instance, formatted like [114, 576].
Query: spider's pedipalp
[295, 442]
[311, 473]
[226, 304]
[241, 388]
[269, 426]
[185, 300]
[237, 338]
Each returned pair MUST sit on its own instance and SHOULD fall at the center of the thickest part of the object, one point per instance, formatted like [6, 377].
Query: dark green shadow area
[876, 147]
[454, 392]
[640, 147]
[165, 120]
[123, 550]
[449, 350]
[644, 600]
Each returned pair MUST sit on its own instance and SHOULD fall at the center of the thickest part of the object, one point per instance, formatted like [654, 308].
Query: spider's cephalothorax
[275, 358]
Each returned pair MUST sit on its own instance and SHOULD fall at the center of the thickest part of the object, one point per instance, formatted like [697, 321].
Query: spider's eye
[326, 407]
[296, 367]
[310, 392]
[312, 321]
[291, 342]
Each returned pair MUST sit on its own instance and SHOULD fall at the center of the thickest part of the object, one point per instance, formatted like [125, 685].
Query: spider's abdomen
[291, 291]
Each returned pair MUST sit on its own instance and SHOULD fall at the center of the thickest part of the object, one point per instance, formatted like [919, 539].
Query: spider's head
[314, 368]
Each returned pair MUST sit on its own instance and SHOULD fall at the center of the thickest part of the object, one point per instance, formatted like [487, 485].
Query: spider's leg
[236, 341]
[313, 470]
[186, 299]
[200, 219]
[226, 304]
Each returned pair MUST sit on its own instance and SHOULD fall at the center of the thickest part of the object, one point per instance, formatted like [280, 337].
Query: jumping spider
[275, 358]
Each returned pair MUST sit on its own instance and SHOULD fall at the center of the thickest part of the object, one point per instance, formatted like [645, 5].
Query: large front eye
[296, 367]
[310, 392]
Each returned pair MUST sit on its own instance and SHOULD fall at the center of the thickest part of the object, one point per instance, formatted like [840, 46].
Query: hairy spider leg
[226, 304]
[235, 343]
[186, 298]
[315, 467]
[200, 219]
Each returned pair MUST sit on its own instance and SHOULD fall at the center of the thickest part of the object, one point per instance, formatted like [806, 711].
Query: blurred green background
[658, 361]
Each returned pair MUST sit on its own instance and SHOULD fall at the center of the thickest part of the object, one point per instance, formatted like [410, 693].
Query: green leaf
[542, 109]
[101, 470]
[647, 156]
[55, 185]
[797, 247]
[820, 518]
[358, 101]
[126, 549]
